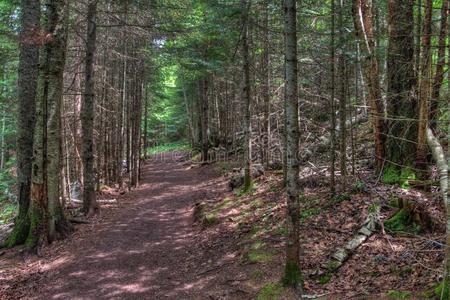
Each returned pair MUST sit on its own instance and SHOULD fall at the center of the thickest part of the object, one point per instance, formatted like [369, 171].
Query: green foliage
[271, 291]
[402, 222]
[177, 146]
[359, 187]
[341, 198]
[442, 290]
[399, 294]
[394, 175]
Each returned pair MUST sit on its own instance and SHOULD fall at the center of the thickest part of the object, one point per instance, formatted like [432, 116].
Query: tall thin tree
[292, 274]
[87, 113]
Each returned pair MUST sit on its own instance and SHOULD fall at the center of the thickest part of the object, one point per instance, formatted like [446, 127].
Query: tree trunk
[292, 273]
[342, 66]
[363, 21]
[246, 94]
[424, 91]
[332, 102]
[90, 206]
[401, 97]
[439, 76]
[27, 87]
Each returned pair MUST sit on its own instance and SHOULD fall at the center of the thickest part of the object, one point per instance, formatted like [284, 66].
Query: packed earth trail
[148, 249]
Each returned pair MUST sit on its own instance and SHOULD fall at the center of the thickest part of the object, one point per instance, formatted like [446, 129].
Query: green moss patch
[399, 294]
[271, 291]
[308, 213]
[402, 221]
[394, 175]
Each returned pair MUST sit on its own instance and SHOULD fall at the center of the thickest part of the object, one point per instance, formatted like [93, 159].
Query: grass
[176, 146]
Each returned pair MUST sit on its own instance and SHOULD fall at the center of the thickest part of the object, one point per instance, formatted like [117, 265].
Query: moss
[442, 290]
[281, 230]
[35, 224]
[399, 294]
[394, 202]
[402, 222]
[341, 198]
[19, 234]
[308, 213]
[259, 256]
[271, 291]
[324, 279]
[292, 276]
[391, 175]
[257, 274]
[332, 265]
[394, 175]
[210, 219]
[245, 190]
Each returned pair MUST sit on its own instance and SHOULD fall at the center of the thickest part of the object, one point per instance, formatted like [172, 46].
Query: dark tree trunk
[27, 87]
[292, 273]
[246, 94]
[401, 97]
[90, 206]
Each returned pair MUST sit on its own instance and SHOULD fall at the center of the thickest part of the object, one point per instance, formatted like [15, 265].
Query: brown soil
[145, 247]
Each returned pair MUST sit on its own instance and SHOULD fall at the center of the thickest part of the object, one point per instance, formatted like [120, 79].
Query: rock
[237, 180]
[340, 255]
[199, 211]
[355, 242]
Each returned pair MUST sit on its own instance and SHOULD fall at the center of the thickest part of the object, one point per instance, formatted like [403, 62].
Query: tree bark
[439, 75]
[27, 88]
[292, 273]
[90, 206]
[364, 29]
[246, 94]
[401, 96]
[424, 91]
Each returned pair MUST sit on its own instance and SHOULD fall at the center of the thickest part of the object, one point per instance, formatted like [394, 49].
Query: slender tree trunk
[292, 273]
[363, 21]
[342, 65]
[332, 102]
[205, 121]
[266, 86]
[246, 94]
[424, 90]
[58, 21]
[27, 89]
[90, 206]
[439, 75]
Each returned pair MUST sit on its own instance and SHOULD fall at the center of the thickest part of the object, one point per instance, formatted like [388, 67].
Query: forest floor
[147, 246]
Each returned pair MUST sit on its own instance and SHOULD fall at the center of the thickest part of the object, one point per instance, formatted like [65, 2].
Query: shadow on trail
[147, 251]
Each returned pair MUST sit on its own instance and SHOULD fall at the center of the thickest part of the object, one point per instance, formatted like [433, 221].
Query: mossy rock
[402, 221]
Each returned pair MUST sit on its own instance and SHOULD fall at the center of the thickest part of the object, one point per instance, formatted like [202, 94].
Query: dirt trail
[147, 250]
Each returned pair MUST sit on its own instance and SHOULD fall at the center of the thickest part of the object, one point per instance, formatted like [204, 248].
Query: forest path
[146, 250]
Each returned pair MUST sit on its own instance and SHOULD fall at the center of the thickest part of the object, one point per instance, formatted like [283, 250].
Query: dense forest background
[347, 95]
